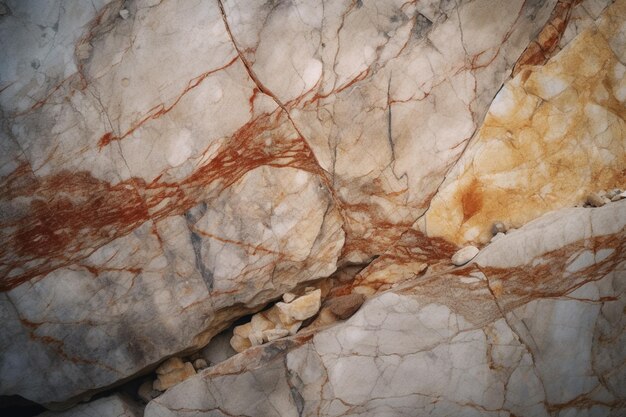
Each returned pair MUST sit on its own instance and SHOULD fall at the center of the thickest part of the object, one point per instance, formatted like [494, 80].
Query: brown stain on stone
[545, 44]
[553, 135]
[71, 214]
[472, 200]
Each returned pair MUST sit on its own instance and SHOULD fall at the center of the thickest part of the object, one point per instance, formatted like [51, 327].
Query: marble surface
[539, 333]
[168, 167]
[552, 135]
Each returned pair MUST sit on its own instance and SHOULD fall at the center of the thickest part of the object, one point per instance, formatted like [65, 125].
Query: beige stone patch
[554, 134]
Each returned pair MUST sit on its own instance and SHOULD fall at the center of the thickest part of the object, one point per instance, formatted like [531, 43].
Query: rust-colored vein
[544, 46]
[161, 109]
[71, 214]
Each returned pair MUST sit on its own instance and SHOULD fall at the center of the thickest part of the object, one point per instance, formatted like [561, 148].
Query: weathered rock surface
[541, 333]
[168, 167]
[464, 255]
[553, 135]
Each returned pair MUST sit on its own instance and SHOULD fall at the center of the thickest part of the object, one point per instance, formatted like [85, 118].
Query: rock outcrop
[534, 327]
[346, 208]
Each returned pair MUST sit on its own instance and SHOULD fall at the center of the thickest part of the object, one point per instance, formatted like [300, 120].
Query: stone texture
[553, 134]
[464, 255]
[167, 167]
[303, 307]
[280, 320]
[167, 379]
[541, 334]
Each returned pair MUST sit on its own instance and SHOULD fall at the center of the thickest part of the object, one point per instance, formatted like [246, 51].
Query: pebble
[170, 365]
[595, 200]
[239, 343]
[124, 13]
[463, 256]
[200, 364]
[167, 380]
[498, 227]
[302, 307]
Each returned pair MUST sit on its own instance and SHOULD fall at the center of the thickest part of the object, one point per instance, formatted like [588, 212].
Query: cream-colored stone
[289, 297]
[240, 343]
[256, 337]
[167, 380]
[243, 330]
[464, 255]
[302, 307]
[294, 327]
[273, 334]
[595, 200]
[498, 227]
[260, 323]
[533, 155]
[170, 365]
[200, 363]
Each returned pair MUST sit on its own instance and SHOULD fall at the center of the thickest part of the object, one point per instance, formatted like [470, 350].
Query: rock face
[170, 167]
[540, 332]
[552, 135]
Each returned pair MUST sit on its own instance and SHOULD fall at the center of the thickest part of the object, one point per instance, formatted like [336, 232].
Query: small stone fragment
[498, 227]
[309, 289]
[200, 364]
[294, 327]
[243, 330]
[612, 193]
[302, 307]
[617, 197]
[256, 338]
[239, 343]
[124, 13]
[146, 392]
[274, 334]
[594, 200]
[344, 306]
[170, 365]
[497, 236]
[464, 255]
[165, 381]
[289, 297]
[260, 323]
